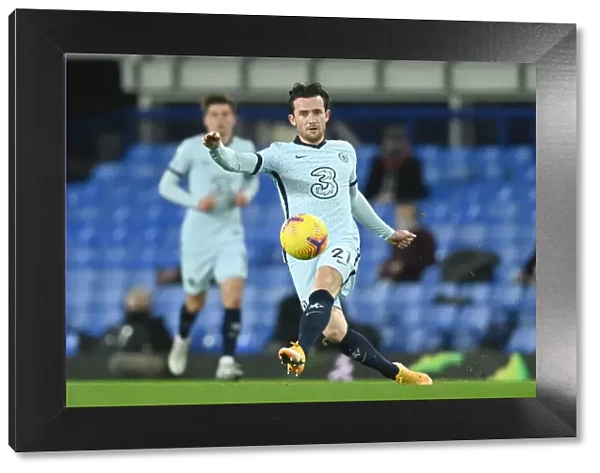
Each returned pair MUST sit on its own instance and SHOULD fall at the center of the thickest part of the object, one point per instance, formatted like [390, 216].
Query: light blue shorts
[199, 266]
[343, 257]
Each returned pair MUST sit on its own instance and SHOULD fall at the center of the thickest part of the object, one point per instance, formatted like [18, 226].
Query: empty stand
[120, 231]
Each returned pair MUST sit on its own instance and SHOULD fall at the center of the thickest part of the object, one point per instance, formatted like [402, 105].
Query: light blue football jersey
[315, 180]
[205, 177]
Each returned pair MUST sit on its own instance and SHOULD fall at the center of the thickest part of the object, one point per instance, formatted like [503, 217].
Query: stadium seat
[479, 293]
[72, 344]
[120, 231]
[439, 318]
[372, 312]
[475, 319]
[529, 298]
[466, 340]
[431, 275]
[507, 295]
[527, 317]
[420, 340]
[405, 317]
[406, 294]
[522, 341]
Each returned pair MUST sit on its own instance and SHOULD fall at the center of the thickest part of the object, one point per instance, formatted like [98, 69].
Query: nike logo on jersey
[300, 156]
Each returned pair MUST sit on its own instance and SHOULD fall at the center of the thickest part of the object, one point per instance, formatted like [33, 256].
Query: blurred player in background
[317, 176]
[212, 235]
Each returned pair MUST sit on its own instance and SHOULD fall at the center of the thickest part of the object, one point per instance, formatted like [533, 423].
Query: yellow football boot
[406, 376]
[294, 358]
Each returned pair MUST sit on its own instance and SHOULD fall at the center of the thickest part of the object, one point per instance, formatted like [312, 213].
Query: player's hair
[214, 99]
[306, 90]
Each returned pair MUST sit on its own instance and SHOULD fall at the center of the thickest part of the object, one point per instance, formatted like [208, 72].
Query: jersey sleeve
[251, 183]
[353, 175]
[268, 160]
[182, 160]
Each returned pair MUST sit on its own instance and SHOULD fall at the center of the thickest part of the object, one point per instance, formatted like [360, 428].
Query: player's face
[310, 118]
[220, 117]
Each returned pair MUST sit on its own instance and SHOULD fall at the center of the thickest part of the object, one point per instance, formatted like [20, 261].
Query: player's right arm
[243, 163]
[178, 168]
[365, 214]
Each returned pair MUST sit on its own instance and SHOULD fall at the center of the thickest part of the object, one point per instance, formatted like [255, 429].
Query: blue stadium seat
[111, 280]
[107, 172]
[485, 165]
[82, 257]
[522, 341]
[138, 277]
[167, 302]
[473, 235]
[420, 340]
[432, 175]
[120, 231]
[529, 297]
[509, 295]
[372, 312]
[505, 233]
[406, 294]
[431, 275]
[505, 273]
[405, 316]
[366, 151]
[518, 159]
[475, 319]
[72, 344]
[480, 293]
[527, 316]
[447, 289]
[439, 318]
[466, 340]
[443, 233]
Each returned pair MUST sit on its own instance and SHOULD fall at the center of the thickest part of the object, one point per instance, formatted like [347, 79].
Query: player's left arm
[366, 215]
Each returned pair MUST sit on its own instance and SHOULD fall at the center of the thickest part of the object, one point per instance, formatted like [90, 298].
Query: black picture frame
[39, 421]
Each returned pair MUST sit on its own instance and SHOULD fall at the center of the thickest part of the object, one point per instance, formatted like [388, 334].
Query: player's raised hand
[212, 139]
[401, 238]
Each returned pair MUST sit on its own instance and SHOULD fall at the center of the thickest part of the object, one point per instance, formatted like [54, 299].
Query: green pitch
[145, 393]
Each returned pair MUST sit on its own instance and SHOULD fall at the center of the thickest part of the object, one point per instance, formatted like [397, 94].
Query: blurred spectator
[166, 277]
[343, 369]
[396, 175]
[141, 343]
[469, 265]
[527, 274]
[408, 264]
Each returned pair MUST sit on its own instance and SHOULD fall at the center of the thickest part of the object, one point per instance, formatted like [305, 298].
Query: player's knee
[194, 303]
[231, 294]
[328, 278]
[232, 300]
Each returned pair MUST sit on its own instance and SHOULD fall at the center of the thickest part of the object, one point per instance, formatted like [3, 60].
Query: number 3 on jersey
[326, 187]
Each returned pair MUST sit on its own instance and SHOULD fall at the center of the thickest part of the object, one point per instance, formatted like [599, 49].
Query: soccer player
[318, 176]
[212, 235]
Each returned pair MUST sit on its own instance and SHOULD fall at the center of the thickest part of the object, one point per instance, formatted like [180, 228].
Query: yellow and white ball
[304, 236]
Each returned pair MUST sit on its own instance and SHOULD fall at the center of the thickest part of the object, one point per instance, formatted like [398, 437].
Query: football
[304, 236]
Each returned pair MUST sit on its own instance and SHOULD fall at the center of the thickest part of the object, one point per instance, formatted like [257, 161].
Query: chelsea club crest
[343, 157]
